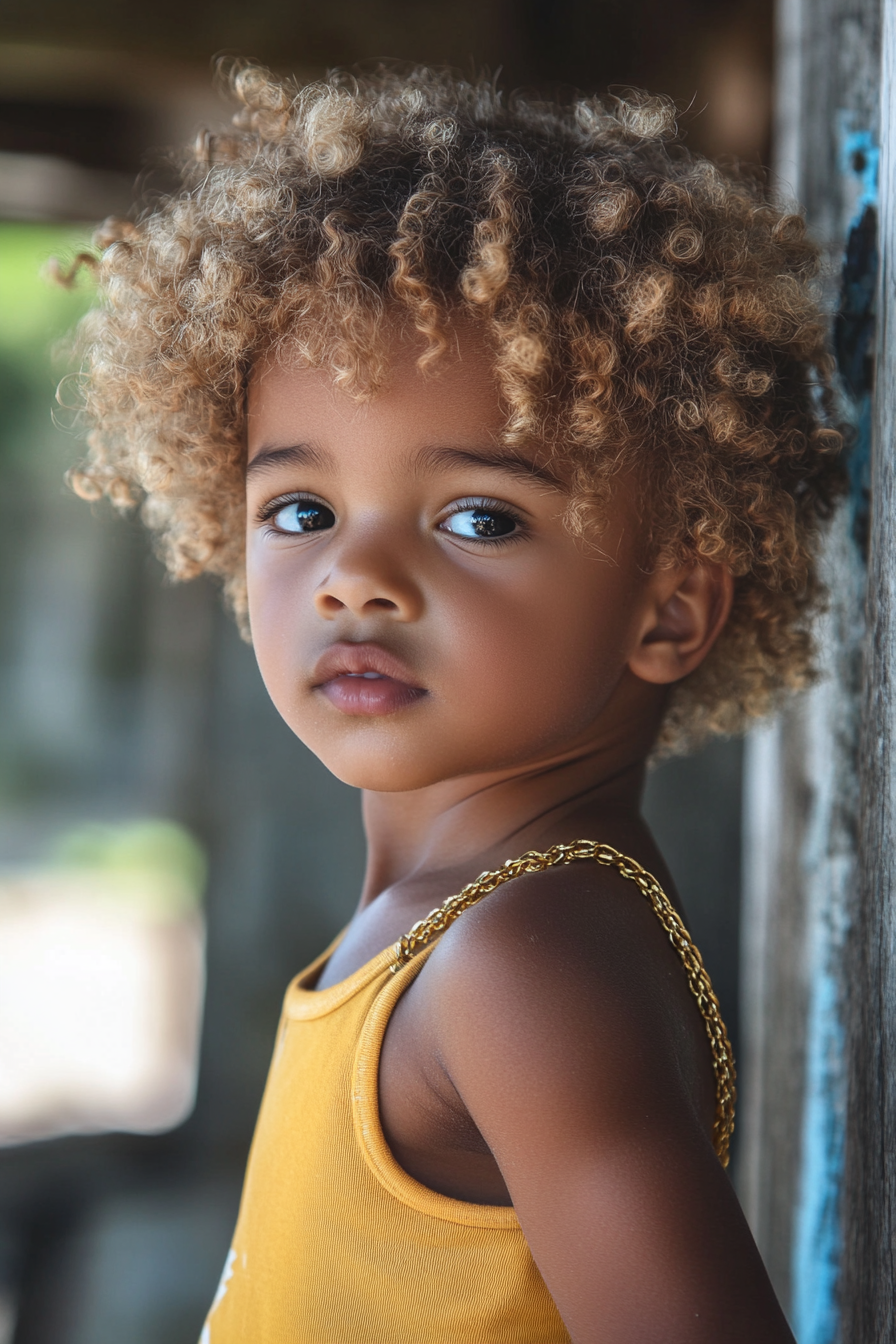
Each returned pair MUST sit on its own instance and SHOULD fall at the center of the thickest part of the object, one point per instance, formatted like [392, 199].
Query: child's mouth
[364, 679]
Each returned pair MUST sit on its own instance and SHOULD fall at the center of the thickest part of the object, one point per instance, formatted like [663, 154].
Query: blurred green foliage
[35, 316]
[152, 848]
[34, 308]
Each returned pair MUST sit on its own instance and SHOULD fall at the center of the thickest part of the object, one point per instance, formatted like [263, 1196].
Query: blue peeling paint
[817, 1232]
[854, 324]
[858, 155]
[817, 1240]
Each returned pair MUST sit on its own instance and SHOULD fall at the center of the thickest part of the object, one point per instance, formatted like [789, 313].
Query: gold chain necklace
[536, 861]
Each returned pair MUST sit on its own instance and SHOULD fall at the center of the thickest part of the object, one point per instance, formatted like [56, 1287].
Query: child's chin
[382, 777]
[382, 770]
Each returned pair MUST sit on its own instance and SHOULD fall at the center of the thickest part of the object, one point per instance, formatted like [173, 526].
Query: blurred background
[169, 855]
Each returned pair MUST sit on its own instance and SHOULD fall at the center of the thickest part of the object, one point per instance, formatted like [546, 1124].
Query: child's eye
[302, 515]
[481, 522]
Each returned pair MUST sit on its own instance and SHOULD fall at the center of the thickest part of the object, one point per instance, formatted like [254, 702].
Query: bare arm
[564, 1022]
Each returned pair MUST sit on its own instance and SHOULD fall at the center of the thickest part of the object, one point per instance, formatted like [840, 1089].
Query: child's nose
[370, 583]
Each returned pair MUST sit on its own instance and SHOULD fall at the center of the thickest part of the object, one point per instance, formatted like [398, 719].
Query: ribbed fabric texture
[335, 1243]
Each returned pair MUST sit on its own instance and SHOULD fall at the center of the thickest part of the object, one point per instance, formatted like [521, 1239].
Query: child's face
[418, 608]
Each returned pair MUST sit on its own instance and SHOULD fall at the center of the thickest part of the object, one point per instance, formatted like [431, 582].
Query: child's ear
[685, 611]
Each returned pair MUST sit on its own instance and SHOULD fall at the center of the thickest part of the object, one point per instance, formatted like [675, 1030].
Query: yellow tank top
[335, 1243]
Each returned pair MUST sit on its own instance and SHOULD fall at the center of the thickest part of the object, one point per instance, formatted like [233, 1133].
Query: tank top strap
[536, 861]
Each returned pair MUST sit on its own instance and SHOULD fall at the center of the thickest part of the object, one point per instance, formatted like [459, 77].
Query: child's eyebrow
[513, 464]
[428, 461]
[291, 455]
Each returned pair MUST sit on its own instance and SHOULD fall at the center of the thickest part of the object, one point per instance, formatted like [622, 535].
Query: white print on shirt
[226, 1276]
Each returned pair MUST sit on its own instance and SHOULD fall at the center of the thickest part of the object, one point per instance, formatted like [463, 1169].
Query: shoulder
[566, 982]
[582, 926]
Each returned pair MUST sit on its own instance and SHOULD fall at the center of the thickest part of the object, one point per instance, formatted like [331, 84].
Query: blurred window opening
[101, 984]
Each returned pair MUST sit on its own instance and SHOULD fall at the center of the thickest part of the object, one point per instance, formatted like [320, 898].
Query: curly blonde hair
[645, 311]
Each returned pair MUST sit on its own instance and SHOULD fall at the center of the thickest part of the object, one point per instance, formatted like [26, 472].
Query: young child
[507, 426]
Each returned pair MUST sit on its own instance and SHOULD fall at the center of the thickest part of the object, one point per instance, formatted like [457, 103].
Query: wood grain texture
[802, 785]
[869, 1270]
[774, 988]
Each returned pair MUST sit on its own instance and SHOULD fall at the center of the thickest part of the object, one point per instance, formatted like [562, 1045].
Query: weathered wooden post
[818, 947]
[868, 1287]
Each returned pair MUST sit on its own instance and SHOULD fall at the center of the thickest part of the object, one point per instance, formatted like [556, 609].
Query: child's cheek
[537, 674]
[275, 607]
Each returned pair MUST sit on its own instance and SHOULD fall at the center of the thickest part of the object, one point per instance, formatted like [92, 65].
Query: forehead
[458, 402]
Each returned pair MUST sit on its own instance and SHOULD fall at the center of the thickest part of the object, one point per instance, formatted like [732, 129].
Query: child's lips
[365, 679]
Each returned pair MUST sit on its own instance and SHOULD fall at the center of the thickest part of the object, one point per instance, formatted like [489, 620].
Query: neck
[479, 820]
